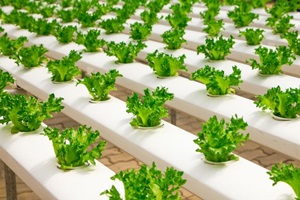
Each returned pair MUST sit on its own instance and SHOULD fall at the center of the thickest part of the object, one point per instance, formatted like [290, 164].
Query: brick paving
[116, 159]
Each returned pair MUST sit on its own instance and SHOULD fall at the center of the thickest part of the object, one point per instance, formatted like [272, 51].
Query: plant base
[149, 127]
[218, 163]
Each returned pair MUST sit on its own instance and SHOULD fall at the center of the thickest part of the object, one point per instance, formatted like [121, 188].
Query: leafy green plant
[42, 26]
[99, 85]
[19, 4]
[287, 173]
[5, 2]
[27, 113]
[178, 21]
[66, 3]
[48, 10]
[165, 65]
[72, 147]
[64, 34]
[210, 14]
[139, 31]
[5, 78]
[87, 19]
[181, 9]
[173, 38]
[33, 6]
[156, 5]
[30, 57]
[125, 53]
[90, 40]
[258, 3]
[113, 25]
[215, 80]
[148, 183]
[10, 46]
[82, 6]
[65, 69]
[293, 41]
[66, 15]
[241, 19]
[218, 139]
[102, 9]
[271, 61]
[149, 17]
[252, 36]
[212, 4]
[149, 109]
[282, 7]
[213, 27]
[285, 104]
[216, 48]
[280, 25]
[25, 21]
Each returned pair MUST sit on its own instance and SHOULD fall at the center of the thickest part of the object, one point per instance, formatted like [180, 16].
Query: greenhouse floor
[116, 159]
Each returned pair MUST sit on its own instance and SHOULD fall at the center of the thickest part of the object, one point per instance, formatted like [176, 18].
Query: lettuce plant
[216, 48]
[19, 4]
[252, 36]
[65, 69]
[281, 25]
[48, 10]
[10, 46]
[72, 147]
[212, 4]
[165, 65]
[27, 113]
[178, 21]
[33, 6]
[241, 19]
[82, 6]
[285, 104]
[30, 57]
[5, 78]
[5, 2]
[287, 173]
[25, 21]
[213, 27]
[113, 25]
[149, 17]
[173, 38]
[149, 109]
[90, 40]
[64, 34]
[125, 53]
[66, 3]
[209, 14]
[139, 31]
[282, 7]
[293, 41]
[42, 26]
[156, 5]
[258, 3]
[66, 15]
[148, 182]
[87, 19]
[99, 85]
[218, 139]
[215, 80]
[271, 61]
